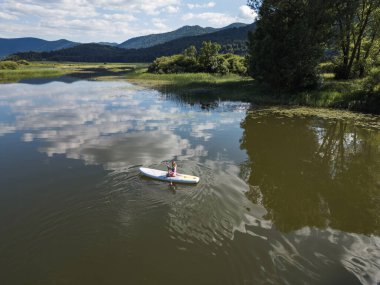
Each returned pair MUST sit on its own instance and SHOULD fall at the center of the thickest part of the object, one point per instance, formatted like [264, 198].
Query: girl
[172, 169]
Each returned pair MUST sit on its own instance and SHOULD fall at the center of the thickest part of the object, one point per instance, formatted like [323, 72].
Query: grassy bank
[332, 94]
[200, 86]
[34, 70]
[96, 71]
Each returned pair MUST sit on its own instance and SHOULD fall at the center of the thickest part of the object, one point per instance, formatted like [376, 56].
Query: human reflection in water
[313, 172]
[172, 188]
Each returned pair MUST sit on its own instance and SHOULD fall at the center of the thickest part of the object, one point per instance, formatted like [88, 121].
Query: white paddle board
[161, 175]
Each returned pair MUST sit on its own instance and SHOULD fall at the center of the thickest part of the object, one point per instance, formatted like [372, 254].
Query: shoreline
[334, 94]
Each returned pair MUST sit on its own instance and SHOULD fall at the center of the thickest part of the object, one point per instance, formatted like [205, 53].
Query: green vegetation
[208, 60]
[293, 38]
[195, 86]
[8, 65]
[206, 86]
[11, 71]
[25, 70]
[299, 34]
[356, 37]
[287, 45]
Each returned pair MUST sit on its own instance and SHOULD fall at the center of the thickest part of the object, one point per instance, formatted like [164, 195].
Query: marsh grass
[332, 93]
[197, 85]
[56, 69]
[8, 76]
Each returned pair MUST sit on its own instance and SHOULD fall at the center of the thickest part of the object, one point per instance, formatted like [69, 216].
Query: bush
[23, 62]
[208, 60]
[174, 64]
[222, 65]
[10, 65]
[327, 67]
[372, 83]
[367, 99]
[236, 64]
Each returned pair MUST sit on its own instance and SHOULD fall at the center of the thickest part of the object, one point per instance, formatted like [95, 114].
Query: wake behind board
[161, 175]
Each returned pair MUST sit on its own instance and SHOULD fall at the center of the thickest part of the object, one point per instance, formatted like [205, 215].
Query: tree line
[208, 59]
[293, 37]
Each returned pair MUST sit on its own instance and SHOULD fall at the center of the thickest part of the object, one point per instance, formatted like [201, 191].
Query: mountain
[234, 25]
[231, 40]
[108, 44]
[155, 39]
[186, 31]
[9, 46]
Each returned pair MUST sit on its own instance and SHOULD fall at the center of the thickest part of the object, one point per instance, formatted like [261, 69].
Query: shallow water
[282, 199]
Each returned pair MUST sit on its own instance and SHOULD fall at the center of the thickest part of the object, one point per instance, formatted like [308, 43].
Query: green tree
[209, 60]
[288, 43]
[191, 52]
[208, 57]
[357, 36]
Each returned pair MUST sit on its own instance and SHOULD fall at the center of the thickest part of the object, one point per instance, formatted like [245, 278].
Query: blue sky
[113, 20]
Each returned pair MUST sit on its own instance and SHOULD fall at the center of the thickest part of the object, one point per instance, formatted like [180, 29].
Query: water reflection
[311, 172]
[280, 199]
[108, 124]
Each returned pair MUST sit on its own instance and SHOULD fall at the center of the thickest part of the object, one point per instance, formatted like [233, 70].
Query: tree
[191, 52]
[208, 57]
[288, 43]
[357, 36]
[209, 60]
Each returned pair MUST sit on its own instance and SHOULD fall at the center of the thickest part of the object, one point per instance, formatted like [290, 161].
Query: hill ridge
[232, 40]
[184, 31]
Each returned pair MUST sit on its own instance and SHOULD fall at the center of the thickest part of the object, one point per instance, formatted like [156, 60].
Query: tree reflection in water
[313, 172]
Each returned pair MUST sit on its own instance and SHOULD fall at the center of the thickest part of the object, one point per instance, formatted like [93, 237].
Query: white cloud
[97, 20]
[120, 17]
[106, 20]
[196, 5]
[247, 13]
[159, 23]
[172, 9]
[7, 16]
[216, 19]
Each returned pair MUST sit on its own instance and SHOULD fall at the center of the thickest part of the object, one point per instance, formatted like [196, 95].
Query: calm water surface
[282, 199]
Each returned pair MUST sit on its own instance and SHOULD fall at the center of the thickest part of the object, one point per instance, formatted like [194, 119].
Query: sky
[113, 20]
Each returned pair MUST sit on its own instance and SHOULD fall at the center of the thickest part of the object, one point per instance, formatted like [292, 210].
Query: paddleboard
[161, 175]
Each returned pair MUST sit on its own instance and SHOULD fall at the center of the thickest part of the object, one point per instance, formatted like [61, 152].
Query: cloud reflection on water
[109, 124]
[116, 126]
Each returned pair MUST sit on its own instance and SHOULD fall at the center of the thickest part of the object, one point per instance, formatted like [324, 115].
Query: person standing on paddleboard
[172, 169]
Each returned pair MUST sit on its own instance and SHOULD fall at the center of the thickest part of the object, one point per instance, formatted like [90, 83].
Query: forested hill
[9, 46]
[186, 31]
[232, 40]
[155, 39]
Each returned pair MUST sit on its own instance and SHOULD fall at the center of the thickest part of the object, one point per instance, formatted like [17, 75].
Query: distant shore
[332, 94]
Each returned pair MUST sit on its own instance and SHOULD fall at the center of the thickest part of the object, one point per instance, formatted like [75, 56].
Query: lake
[283, 198]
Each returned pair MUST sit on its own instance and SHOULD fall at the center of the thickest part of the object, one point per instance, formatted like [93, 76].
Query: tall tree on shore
[357, 36]
[289, 41]
[208, 56]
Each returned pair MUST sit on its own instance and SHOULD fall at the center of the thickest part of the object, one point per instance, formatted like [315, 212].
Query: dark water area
[281, 200]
